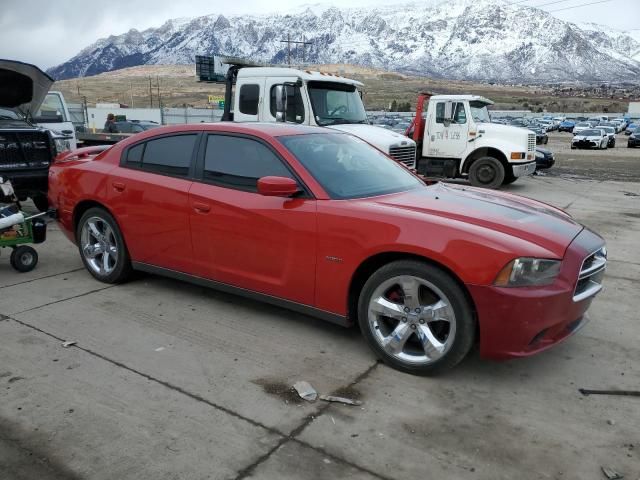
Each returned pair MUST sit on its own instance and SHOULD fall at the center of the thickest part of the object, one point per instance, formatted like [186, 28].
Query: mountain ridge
[480, 40]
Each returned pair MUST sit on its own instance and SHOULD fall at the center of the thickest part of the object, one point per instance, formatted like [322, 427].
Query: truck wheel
[41, 202]
[509, 179]
[415, 317]
[24, 258]
[486, 172]
[102, 246]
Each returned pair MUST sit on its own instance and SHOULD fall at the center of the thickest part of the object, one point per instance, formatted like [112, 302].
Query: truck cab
[312, 98]
[456, 139]
[54, 115]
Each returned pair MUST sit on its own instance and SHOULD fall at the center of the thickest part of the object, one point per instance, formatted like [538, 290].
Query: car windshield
[347, 167]
[336, 103]
[591, 133]
[583, 125]
[479, 111]
[609, 129]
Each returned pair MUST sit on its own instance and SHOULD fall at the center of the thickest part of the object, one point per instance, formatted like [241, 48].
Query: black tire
[509, 180]
[464, 335]
[24, 258]
[41, 202]
[546, 140]
[121, 269]
[486, 172]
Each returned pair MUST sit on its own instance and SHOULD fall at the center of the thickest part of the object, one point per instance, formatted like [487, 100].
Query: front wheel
[102, 246]
[416, 318]
[486, 172]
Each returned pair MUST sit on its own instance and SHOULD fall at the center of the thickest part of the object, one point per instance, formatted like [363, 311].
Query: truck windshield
[348, 167]
[336, 103]
[479, 112]
[52, 108]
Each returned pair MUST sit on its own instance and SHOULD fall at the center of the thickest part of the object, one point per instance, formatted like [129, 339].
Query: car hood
[378, 136]
[23, 86]
[532, 221]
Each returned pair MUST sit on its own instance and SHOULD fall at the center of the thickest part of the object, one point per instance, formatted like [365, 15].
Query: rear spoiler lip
[81, 153]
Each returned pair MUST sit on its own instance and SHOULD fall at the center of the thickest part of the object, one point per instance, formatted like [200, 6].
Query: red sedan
[325, 224]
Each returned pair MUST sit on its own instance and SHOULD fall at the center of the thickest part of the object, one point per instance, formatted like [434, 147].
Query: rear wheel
[415, 317]
[102, 246]
[486, 172]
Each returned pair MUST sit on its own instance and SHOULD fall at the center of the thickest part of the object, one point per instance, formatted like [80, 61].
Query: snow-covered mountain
[457, 39]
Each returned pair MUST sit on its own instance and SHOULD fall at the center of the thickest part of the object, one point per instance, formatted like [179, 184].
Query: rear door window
[170, 155]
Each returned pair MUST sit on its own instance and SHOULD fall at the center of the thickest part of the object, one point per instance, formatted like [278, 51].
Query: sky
[47, 33]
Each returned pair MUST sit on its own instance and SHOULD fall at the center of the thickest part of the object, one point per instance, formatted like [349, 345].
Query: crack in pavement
[63, 300]
[285, 438]
[42, 278]
[244, 473]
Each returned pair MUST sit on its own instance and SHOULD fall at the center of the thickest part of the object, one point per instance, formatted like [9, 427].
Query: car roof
[250, 128]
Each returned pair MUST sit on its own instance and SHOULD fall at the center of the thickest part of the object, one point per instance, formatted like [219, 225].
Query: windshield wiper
[339, 120]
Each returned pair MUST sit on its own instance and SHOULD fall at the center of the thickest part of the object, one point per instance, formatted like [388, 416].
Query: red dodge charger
[325, 224]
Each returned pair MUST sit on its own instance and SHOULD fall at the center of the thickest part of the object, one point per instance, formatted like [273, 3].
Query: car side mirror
[277, 186]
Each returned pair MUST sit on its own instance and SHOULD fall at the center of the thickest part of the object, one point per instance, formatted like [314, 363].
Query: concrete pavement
[174, 381]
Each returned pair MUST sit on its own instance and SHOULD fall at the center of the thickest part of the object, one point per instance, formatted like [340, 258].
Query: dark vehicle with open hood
[26, 150]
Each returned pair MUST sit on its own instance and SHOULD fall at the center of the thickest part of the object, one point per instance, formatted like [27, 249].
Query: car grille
[531, 147]
[406, 155]
[591, 275]
[20, 150]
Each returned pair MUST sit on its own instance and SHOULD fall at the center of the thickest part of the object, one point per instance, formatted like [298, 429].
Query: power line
[549, 3]
[578, 6]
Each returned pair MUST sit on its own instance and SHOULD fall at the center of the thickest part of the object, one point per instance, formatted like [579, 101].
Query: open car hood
[23, 86]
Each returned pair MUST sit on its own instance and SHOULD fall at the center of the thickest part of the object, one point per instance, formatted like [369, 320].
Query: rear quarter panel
[73, 182]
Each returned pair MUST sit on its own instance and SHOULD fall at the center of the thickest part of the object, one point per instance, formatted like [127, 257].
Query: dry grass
[179, 86]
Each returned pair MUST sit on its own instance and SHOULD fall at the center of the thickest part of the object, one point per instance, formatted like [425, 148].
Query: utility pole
[288, 41]
[150, 94]
[158, 85]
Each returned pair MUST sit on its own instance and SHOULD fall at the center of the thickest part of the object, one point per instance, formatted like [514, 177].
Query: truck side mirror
[448, 112]
[281, 103]
[285, 109]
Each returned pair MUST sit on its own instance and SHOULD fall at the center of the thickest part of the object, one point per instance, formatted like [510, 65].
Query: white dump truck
[456, 139]
[308, 98]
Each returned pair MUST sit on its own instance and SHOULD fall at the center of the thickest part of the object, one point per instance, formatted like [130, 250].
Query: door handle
[201, 207]
[118, 186]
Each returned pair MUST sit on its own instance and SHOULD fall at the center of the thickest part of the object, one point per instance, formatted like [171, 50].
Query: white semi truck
[309, 98]
[456, 139]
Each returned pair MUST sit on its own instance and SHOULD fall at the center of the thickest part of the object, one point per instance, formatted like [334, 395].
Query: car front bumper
[585, 144]
[519, 322]
[633, 142]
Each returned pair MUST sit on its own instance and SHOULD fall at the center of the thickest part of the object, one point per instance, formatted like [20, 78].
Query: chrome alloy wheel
[99, 246]
[412, 319]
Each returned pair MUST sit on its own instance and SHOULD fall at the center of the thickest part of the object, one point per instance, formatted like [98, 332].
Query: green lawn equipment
[18, 229]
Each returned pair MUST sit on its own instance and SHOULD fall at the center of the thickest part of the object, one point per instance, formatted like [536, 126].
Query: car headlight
[527, 272]
[62, 145]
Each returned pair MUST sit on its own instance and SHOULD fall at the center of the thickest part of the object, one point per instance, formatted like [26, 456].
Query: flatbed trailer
[86, 139]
